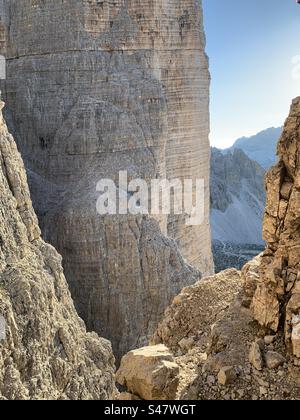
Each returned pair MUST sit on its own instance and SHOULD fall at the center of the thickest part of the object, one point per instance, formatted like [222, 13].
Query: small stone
[227, 375]
[255, 356]
[186, 344]
[281, 373]
[274, 360]
[263, 383]
[261, 343]
[211, 380]
[269, 339]
[247, 370]
[203, 357]
[263, 391]
[241, 393]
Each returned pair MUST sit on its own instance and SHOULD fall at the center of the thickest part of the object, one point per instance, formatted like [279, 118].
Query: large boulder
[150, 373]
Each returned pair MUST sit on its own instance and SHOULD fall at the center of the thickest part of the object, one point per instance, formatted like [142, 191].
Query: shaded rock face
[108, 87]
[237, 207]
[45, 352]
[274, 293]
[237, 197]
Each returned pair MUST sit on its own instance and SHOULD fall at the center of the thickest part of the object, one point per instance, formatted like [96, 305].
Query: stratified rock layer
[109, 86]
[45, 352]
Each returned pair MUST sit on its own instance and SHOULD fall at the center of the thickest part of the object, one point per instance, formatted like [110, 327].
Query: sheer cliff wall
[95, 87]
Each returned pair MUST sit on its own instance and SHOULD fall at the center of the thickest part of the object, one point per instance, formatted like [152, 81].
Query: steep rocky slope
[275, 294]
[45, 352]
[109, 86]
[237, 198]
[237, 335]
[261, 147]
[237, 206]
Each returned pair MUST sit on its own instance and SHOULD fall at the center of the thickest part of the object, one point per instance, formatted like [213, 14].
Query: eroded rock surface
[45, 352]
[149, 373]
[235, 335]
[109, 86]
[276, 289]
[188, 320]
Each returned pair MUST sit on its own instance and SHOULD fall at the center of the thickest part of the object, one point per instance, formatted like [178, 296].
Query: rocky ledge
[236, 335]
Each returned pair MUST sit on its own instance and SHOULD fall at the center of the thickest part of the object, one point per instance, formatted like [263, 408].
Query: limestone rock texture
[45, 352]
[235, 335]
[109, 86]
[221, 351]
[149, 373]
[274, 292]
[195, 309]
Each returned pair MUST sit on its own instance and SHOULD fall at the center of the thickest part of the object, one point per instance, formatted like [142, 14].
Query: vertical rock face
[107, 87]
[274, 290]
[45, 352]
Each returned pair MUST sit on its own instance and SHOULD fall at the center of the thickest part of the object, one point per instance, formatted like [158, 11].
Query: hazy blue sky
[251, 45]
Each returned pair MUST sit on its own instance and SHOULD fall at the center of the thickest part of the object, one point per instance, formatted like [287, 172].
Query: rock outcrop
[235, 336]
[188, 320]
[150, 373]
[45, 352]
[274, 293]
[110, 86]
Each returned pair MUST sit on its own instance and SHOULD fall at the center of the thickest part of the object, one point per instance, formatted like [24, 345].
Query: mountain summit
[260, 147]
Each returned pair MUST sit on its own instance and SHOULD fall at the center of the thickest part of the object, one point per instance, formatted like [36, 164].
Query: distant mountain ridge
[237, 206]
[237, 197]
[261, 147]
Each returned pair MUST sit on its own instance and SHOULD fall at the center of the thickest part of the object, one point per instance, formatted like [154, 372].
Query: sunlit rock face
[275, 292]
[45, 351]
[105, 87]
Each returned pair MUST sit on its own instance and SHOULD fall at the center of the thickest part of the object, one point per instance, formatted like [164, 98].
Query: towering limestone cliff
[45, 352]
[95, 87]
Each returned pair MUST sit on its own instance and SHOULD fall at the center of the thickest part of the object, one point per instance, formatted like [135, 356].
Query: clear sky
[251, 46]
